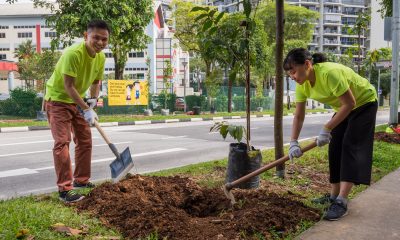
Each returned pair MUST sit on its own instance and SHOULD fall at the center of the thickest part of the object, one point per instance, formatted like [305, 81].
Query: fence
[25, 103]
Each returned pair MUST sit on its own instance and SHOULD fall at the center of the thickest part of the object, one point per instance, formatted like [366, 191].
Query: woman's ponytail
[318, 58]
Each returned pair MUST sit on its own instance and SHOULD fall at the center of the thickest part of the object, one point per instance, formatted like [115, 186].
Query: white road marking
[17, 172]
[24, 171]
[43, 151]
[23, 143]
[174, 137]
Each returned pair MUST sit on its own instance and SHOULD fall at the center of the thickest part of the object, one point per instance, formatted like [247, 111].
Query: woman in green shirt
[350, 132]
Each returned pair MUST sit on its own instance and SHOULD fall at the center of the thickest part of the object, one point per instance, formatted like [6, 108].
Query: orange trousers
[64, 119]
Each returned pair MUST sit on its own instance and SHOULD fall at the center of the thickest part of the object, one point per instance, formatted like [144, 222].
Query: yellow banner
[127, 92]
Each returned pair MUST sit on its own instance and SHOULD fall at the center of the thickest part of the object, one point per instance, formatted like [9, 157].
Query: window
[136, 54]
[137, 76]
[2, 35]
[4, 49]
[3, 56]
[30, 26]
[108, 55]
[50, 34]
[25, 35]
[3, 27]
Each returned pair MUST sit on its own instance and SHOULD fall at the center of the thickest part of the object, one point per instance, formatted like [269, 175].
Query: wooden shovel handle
[266, 167]
[103, 134]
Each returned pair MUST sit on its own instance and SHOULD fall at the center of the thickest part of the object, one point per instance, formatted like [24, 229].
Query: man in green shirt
[350, 132]
[81, 67]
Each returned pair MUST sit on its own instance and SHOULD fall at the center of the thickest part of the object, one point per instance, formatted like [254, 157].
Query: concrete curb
[145, 122]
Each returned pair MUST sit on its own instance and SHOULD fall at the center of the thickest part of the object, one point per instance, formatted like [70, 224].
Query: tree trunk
[248, 87]
[287, 93]
[119, 69]
[231, 79]
[359, 54]
[278, 133]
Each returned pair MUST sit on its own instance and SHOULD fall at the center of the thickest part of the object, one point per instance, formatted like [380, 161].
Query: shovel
[227, 187]
[122, 164]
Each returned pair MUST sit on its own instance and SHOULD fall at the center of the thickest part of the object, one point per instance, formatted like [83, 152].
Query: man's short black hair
[100, 24]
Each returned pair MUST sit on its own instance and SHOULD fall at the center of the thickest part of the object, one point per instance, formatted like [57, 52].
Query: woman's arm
[348, 102]
[298, 119]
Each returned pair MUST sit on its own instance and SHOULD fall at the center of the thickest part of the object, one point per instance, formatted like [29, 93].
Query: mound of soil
[388, 137]
[178, 208]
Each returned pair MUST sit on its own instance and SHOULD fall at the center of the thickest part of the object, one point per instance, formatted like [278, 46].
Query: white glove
[91, 102]
[294, 150]
[324, 137]
[90, 116]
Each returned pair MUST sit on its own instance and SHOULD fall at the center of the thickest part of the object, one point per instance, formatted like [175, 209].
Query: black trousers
[350, 150]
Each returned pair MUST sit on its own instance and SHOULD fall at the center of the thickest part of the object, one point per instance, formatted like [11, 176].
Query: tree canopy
[127, 20]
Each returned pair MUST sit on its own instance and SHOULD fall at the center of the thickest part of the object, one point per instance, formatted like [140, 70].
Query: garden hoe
[227, 187]
[122, 164]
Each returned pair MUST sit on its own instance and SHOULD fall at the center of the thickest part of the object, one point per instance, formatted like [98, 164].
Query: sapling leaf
[224, 131]
[239, 133]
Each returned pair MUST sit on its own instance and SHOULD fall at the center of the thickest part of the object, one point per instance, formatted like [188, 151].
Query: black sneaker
[70, 196]
[323, 200]
[82, 185]
[336, 210]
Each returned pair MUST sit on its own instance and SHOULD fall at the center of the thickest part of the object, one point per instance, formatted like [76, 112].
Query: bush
[193, 100]
[170, 101]
[106, 109]
[22, 103]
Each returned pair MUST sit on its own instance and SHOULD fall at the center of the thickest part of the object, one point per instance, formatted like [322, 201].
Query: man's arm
[95, 89]
[73, 93]
[298, 119]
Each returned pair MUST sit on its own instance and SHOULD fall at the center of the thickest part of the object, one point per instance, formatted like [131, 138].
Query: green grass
[38, 214]
[12, 121]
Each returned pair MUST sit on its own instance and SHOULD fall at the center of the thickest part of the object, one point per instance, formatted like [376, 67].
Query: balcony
[330, 22]
[353, 2]
[331, 33]
[332, 2]
[331, 42]
[331, 10]
[309, 2]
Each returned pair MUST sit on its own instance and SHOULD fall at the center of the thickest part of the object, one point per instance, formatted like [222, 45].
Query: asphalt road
[26, 162]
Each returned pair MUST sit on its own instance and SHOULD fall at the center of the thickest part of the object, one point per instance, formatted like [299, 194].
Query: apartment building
[331, 31]
[21, 22]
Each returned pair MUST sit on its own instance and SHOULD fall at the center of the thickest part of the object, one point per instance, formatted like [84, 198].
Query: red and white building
[20, 22]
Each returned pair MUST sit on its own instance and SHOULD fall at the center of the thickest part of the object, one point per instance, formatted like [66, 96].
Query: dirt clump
[388, 137]
[178, 208]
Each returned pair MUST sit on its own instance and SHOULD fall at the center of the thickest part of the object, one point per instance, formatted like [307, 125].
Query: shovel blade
[121, 166]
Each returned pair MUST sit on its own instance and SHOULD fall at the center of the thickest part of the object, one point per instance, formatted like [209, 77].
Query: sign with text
[127, 92]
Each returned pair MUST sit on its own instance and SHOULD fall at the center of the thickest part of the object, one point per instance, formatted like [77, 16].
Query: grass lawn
[37, 214]
[12, 121]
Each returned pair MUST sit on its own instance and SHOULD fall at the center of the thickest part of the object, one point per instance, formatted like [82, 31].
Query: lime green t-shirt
[75, 62]
[333, 80]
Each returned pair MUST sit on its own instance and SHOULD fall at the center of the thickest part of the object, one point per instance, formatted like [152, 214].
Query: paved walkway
[373, 214]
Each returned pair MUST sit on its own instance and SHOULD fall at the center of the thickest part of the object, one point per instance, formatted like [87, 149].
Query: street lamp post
[184, 63]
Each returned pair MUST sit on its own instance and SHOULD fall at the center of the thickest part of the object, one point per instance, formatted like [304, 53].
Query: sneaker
[70, 196]
[83, 185]
[335, 211]
[323, 200]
